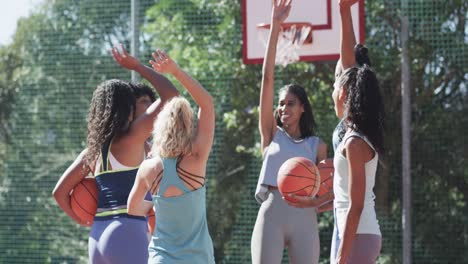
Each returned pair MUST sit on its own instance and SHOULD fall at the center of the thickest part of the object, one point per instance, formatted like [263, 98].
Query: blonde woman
[175, 176]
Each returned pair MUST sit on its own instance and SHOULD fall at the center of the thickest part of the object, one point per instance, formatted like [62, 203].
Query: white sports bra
[115, 164]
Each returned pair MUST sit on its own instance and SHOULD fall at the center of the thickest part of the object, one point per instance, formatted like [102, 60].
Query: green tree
[63, 53]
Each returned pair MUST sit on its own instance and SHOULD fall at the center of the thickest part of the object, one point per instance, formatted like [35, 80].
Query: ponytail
[361, 55]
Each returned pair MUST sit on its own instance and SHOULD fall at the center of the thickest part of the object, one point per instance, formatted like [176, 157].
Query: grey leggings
[280, 226]
[365, 249]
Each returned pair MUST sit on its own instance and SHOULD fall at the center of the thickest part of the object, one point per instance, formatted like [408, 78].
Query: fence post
[135, 27]
[406, 134]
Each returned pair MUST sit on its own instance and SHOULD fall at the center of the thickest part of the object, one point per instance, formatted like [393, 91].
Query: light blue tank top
[181, 234]
[282, 148]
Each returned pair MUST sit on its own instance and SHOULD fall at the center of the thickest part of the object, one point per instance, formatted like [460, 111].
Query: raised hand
[124, 59]
[281, 9]
[346, 3]
[163, 63]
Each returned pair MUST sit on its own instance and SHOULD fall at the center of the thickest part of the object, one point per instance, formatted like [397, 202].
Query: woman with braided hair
[115, 149]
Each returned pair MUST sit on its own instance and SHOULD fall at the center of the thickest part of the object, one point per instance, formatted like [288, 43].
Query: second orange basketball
[298, 176]
[83, 199]
[327, 171]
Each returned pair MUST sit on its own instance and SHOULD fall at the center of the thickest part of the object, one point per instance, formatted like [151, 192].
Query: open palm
[281, 9]
[163, 63]
[124, 59]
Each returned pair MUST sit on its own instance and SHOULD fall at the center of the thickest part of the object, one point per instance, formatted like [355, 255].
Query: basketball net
[291, 38]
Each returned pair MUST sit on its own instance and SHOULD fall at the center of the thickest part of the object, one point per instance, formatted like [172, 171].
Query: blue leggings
[120, 240]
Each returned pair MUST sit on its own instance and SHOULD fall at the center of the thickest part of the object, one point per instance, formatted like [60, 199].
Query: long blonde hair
[173, 129]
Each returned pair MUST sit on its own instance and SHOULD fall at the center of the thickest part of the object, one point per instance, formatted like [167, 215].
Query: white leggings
[280, 226]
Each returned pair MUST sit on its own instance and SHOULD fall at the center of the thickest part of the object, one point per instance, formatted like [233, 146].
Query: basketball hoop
[292, 37]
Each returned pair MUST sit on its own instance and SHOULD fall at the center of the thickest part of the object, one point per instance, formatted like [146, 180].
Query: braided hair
[111, 106]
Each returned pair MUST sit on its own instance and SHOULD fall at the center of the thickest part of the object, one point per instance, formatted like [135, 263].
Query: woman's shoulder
[150, 164]
[314, 139]
[356, 141]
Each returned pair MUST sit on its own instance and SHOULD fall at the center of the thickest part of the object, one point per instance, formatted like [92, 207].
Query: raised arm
[206, 115]
[267, 124]
[163, 86]
[142, 127]
[347, 37]
[69, 179]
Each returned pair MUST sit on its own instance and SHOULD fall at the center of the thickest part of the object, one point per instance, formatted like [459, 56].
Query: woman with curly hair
[175, 176]
[358, 143]
[115, 148]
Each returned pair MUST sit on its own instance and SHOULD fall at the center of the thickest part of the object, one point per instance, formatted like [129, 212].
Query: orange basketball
[299, 176]
[327, 171]
[151, 221]
[83, 199]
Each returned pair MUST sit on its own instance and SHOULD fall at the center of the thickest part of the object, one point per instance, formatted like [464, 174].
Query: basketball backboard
[323, 15]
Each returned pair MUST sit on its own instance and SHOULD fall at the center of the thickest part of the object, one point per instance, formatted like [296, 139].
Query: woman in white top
[357, 100]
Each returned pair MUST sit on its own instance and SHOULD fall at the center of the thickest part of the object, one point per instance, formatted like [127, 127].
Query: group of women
[134, 176]
[357, 141]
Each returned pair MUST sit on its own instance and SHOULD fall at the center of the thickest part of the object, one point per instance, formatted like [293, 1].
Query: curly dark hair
[141, 89]
[361, 55]
[112, 103]
[307, 121]
[364, 104]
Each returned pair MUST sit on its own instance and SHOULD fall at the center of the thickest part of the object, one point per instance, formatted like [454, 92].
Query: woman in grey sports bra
[288, 132]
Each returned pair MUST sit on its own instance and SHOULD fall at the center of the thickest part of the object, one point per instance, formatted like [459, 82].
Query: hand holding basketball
[301, 201]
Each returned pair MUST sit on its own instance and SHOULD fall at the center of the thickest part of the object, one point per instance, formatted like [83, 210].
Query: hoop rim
[287, 25]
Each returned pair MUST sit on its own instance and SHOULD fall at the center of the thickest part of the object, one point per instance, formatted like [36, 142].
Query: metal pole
[135, 27]
[406, 134]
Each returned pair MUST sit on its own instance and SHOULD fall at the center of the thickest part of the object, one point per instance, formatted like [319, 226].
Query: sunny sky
[10, 12]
